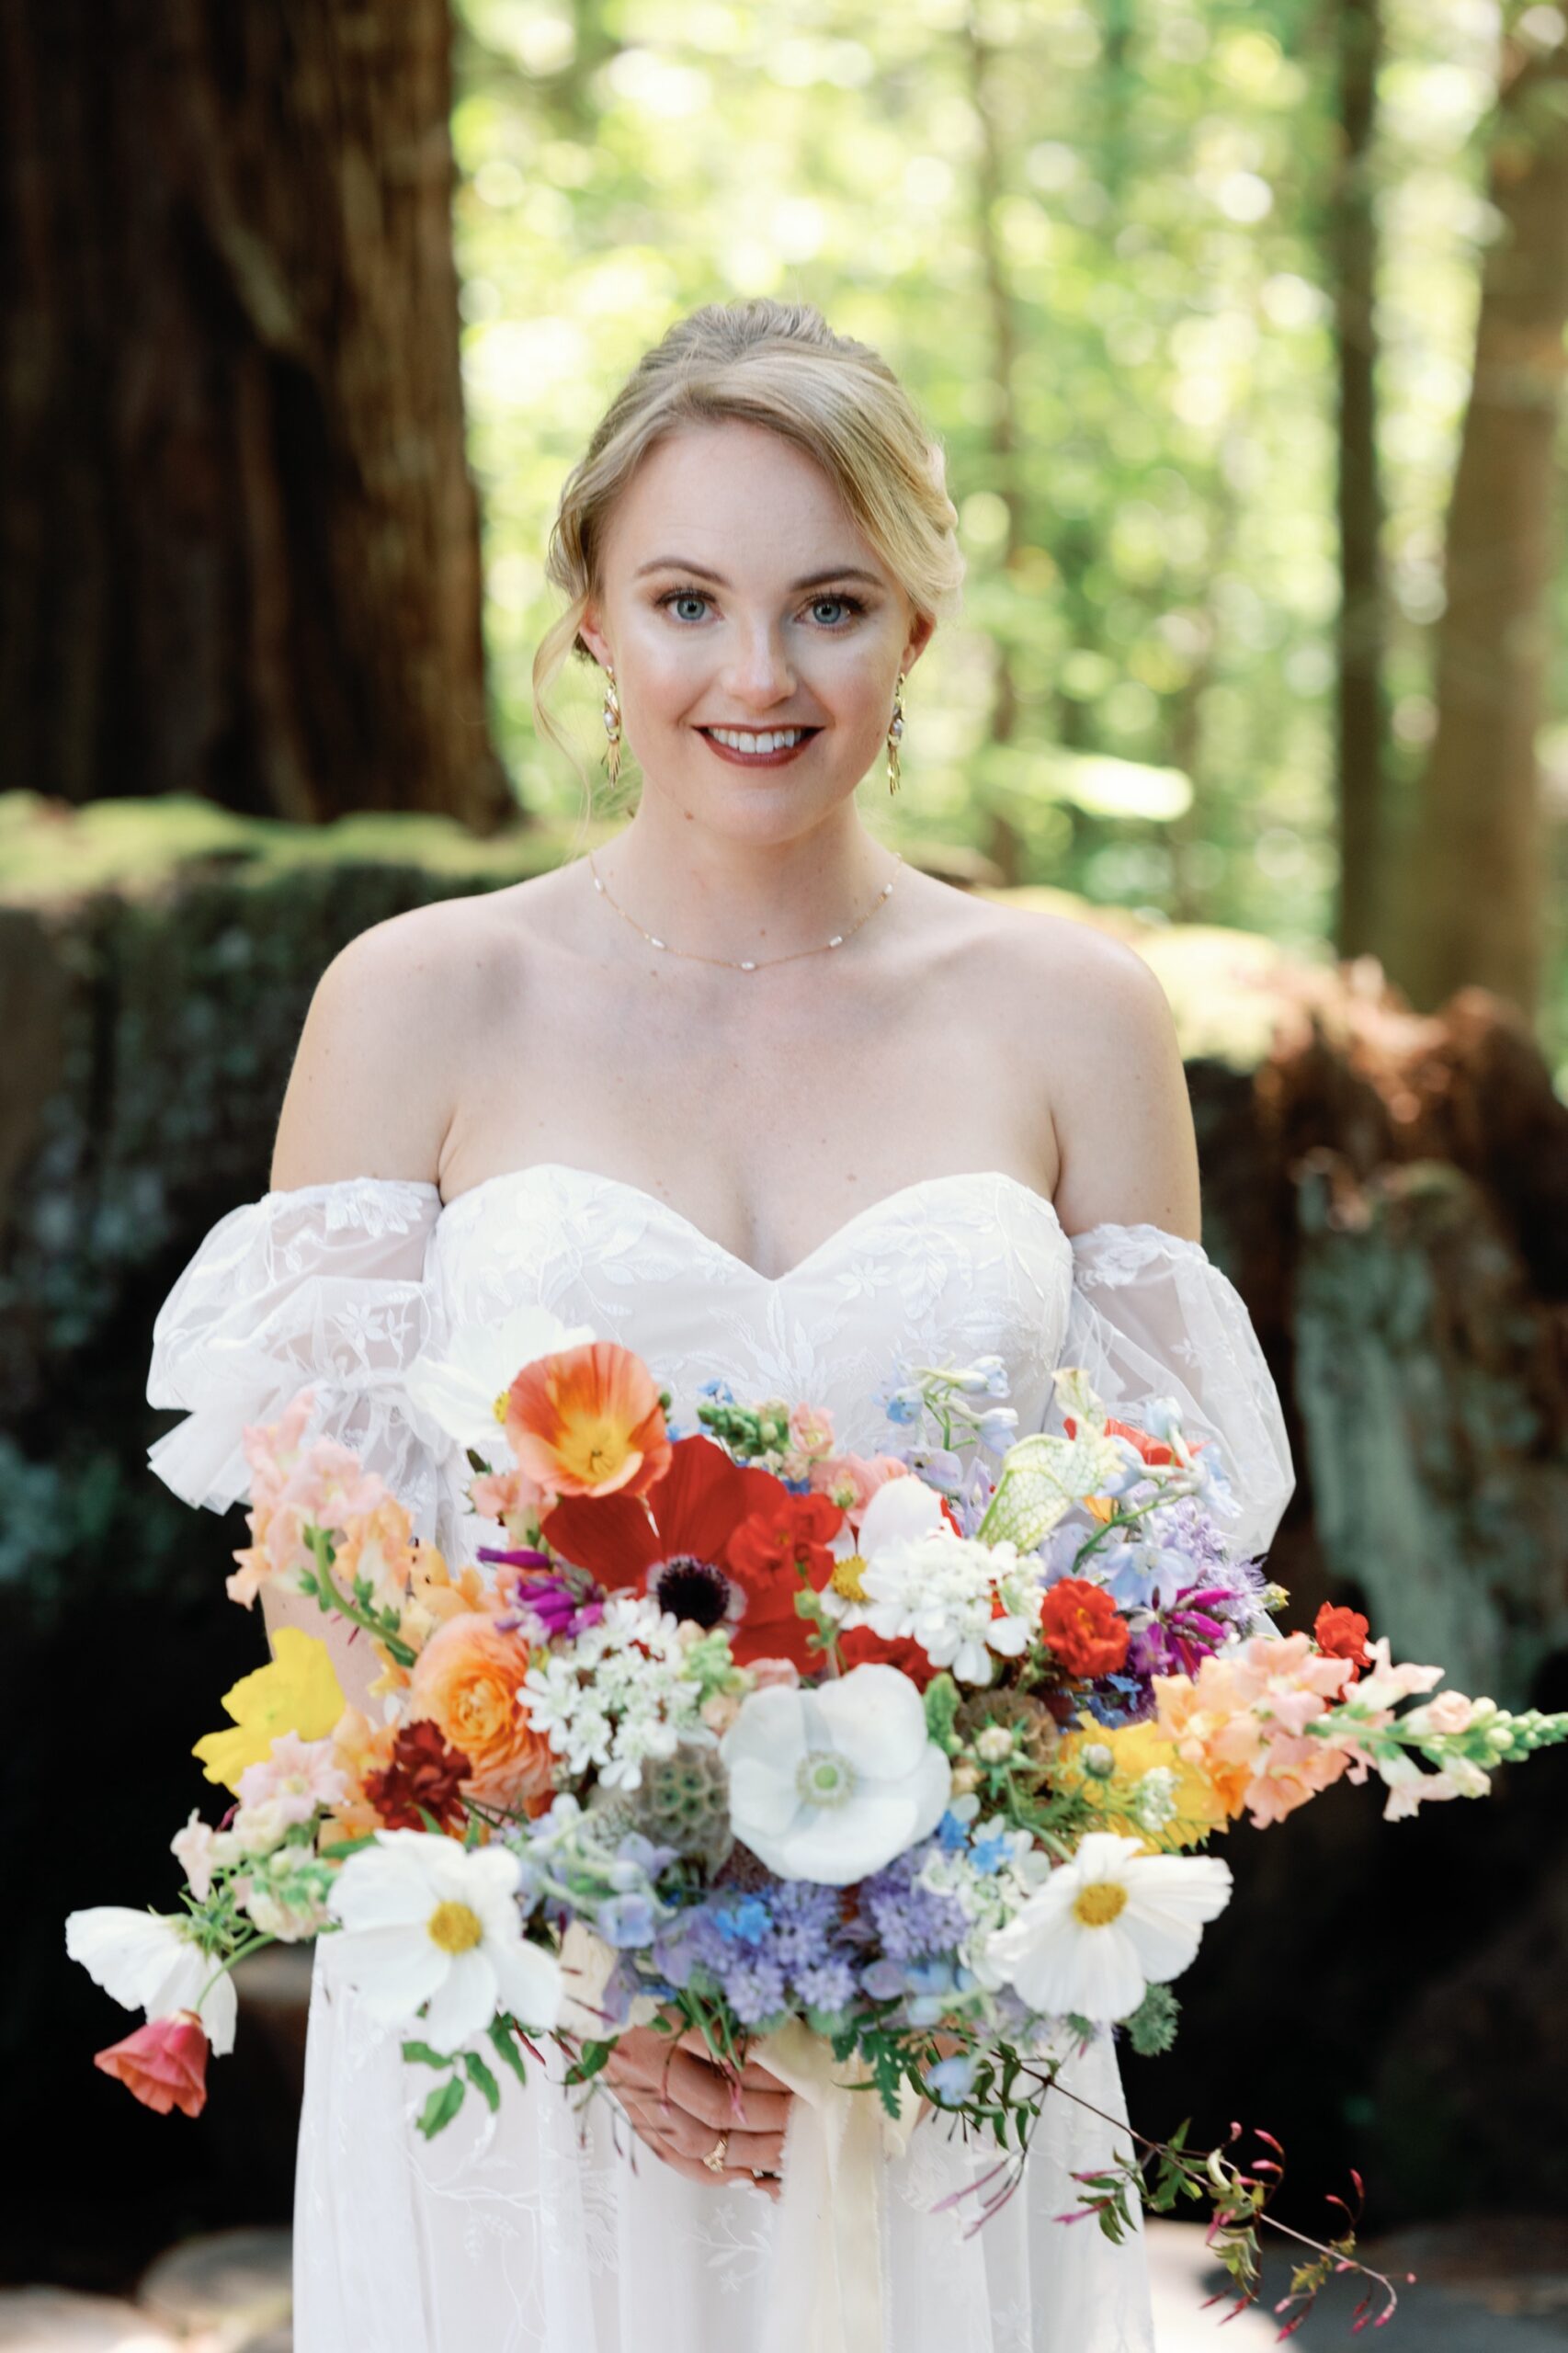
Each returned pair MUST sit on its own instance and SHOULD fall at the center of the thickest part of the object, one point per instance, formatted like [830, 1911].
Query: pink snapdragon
[1243, 1721]
[297, 1778]
[321, 1486]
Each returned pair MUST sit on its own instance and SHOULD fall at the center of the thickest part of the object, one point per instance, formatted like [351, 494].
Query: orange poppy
[588, 1421]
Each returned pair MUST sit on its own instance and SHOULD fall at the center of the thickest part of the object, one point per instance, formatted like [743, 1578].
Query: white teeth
[737, 742]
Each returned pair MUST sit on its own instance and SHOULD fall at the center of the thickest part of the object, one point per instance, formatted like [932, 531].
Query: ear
[921, 632]
[593, 638]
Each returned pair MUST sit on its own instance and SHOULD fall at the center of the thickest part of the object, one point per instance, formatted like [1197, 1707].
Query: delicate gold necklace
[744, 963]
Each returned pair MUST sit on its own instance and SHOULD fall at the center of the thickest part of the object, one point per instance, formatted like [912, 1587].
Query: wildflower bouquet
[885, 1769]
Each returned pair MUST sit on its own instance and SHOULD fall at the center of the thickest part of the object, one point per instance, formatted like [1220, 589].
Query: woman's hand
[679, 2103]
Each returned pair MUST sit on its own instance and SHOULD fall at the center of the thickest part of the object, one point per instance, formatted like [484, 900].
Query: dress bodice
[343, 1285]
[940, 1271]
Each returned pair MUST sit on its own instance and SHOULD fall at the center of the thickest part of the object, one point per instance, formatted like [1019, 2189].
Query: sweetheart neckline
[769, 1282]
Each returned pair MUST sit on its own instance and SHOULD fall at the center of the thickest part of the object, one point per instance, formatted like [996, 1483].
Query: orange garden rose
[588, 1421]
[468, 1680]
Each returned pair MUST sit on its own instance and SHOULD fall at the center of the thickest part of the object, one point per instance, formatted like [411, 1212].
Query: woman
[719, 1094]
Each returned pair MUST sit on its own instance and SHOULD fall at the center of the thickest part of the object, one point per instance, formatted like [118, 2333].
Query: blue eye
[851, 608]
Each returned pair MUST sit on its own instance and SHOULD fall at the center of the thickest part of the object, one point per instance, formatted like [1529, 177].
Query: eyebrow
[813, 580]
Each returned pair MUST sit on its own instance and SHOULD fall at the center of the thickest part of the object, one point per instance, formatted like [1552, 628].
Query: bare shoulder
[1101, 1041]
[377, 1067]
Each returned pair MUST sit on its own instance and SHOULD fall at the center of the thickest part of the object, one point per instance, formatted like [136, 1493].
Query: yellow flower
[1131, 1751]
[297, 1692]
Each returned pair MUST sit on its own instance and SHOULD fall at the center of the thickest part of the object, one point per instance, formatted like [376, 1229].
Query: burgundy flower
[423, 1772]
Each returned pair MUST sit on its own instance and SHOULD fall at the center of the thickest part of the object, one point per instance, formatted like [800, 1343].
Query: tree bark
[239, 544]
[1475, 907]
[1361, 726]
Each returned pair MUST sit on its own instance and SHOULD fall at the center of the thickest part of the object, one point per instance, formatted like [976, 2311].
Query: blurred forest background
[1242, 322]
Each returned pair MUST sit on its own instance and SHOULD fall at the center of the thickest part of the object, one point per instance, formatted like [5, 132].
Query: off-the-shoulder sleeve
[323, 1286]
[1151, 1316]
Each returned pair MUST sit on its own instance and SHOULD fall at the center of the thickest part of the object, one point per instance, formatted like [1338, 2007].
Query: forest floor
[229, 2293]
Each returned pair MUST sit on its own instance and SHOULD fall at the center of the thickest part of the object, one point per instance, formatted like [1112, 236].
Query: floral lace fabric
[544, 2230]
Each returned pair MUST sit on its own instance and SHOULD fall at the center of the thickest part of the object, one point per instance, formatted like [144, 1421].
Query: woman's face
[738, 600]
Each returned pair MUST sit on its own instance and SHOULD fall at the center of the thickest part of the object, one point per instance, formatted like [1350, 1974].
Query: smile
[758, 746]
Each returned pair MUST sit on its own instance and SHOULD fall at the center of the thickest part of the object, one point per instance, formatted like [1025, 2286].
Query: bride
[750, 1096]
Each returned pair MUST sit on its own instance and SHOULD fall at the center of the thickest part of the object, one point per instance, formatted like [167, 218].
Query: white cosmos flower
[830, 1785]
[148, 1963]
[458, 1390]
[1105, 1925]
[423, 1921]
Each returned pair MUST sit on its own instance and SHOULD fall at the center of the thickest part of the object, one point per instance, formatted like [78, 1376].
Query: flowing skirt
[548, 2229]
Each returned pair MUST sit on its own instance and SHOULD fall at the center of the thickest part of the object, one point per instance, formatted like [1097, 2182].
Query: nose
[758, 671]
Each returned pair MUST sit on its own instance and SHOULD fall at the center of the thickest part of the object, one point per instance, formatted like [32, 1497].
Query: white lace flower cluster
[621, 1691]
[965, 1603]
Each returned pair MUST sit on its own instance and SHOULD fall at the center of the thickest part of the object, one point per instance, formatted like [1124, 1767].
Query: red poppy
[780, 1548]
[1153, 1449]
[423, 1772]
[1082, 1628]
[164, 2063]
[690, 1510]
[1342, 1634]
[860, 1647]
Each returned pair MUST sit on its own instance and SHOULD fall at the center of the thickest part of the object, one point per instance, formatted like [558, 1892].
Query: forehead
[734, 497]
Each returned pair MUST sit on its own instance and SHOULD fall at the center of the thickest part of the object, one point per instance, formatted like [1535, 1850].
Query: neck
[708, 894]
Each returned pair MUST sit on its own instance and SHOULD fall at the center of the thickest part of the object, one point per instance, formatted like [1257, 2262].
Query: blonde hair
[778, 365]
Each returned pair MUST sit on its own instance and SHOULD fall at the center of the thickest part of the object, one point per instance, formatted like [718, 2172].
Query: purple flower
[910, 1920]
[626, 1920]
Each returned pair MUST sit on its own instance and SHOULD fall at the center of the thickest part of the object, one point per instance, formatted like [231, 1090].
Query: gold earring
[895, 732]
[612, 727]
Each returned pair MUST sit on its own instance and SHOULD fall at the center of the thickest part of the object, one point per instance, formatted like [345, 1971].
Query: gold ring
[718, 2155]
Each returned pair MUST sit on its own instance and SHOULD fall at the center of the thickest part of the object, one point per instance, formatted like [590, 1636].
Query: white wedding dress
[539, 2233]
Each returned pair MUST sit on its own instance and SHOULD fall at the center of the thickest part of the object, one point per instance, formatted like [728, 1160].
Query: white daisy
[830, 1785]
[152, 1965]
[425, 1923]
[1108, 1923]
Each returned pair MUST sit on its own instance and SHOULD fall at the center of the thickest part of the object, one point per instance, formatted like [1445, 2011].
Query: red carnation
[1342, 1634]
[1082, 1627]
[860, 1647]
[424, 1771]
[164, 2063]
[774, 1553]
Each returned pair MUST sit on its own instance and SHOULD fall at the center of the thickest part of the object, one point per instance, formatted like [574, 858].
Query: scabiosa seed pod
[685, 1802]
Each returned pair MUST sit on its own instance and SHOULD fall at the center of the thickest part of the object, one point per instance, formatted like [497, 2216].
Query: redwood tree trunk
[1476, 870]
[1359, 926]
[239, 547]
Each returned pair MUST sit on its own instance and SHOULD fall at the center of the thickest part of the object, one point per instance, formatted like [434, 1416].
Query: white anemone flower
[830, 1785]
[425, 1922]
[1106, 1925]
[148, 1963]
[457, 1392]
[900, 1510]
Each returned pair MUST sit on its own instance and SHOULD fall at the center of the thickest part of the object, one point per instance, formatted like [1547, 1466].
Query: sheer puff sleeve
[1150, 1316]
[324, 1287]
